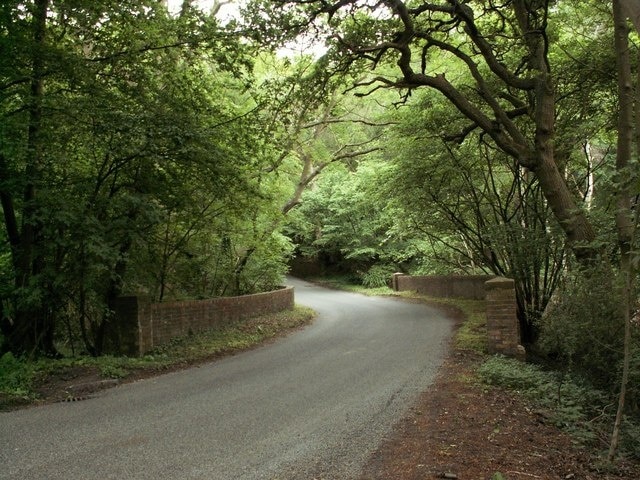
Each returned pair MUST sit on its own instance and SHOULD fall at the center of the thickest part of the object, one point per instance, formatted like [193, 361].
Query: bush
[377, 276]
[571, 404]
[584, 329]
[631, 437]
[15, 376]
[583, 333]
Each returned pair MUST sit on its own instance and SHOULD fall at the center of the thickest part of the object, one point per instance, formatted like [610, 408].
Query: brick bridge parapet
[139, 325]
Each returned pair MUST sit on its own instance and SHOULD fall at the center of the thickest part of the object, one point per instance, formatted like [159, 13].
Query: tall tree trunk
[31, 329]
[631, 8]
[624, 216]
[571, 217]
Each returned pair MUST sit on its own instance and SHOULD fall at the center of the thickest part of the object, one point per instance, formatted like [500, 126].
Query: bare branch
[217, 5]
[466, 14]
[358, 153]
[348, 120]
[309, 173]
[485, 92]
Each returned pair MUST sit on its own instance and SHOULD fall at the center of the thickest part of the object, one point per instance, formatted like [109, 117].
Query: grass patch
[472, 334]
[19, 378]
[233, 337]
[15, 377]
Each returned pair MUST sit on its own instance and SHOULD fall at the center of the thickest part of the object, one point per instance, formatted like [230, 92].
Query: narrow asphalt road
[312, 405]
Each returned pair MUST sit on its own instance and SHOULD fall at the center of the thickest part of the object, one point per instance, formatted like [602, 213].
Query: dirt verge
[460, 429]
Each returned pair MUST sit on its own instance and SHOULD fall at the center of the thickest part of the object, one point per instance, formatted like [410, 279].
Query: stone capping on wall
[503, 327]
[140, 325]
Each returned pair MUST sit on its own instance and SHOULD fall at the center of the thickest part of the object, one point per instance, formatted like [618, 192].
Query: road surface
[312, 405]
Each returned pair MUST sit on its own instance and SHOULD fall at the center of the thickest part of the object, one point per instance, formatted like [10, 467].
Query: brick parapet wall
[140, 325]
[503, 327]
[443, 286]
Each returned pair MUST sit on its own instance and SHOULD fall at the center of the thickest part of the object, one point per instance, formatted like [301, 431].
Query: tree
[473, 202]
[631, 9]
[511, 98]
[313, 129]
[625, 219]
[32, 325]
[509, 72]
[108, 136]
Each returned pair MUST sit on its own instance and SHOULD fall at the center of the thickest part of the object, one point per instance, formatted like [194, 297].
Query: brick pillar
[145, 326]
[503, 327]
[131, 330]
[394, 281]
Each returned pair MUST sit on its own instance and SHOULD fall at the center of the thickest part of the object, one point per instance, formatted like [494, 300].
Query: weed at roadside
[568, 402]
[16, 377]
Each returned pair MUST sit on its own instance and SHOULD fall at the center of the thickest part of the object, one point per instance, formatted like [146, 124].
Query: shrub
[570, 403]
[15, 376]
[377, 276]
[584, 329]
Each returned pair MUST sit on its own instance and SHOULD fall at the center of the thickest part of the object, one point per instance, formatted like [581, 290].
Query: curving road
[312, 405]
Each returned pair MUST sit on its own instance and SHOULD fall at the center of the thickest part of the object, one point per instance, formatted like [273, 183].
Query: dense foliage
[131, 151]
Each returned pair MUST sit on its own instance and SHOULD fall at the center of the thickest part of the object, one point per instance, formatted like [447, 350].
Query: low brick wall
[140, 325]
[443, 286]
[503, 327]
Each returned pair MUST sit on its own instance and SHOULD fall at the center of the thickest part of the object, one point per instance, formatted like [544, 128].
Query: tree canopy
[130, 152]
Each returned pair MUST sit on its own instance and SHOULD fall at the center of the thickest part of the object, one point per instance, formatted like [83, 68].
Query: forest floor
[463, 429]
[458, 429]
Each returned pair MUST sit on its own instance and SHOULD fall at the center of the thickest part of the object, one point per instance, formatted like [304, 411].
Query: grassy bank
[22, 381]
